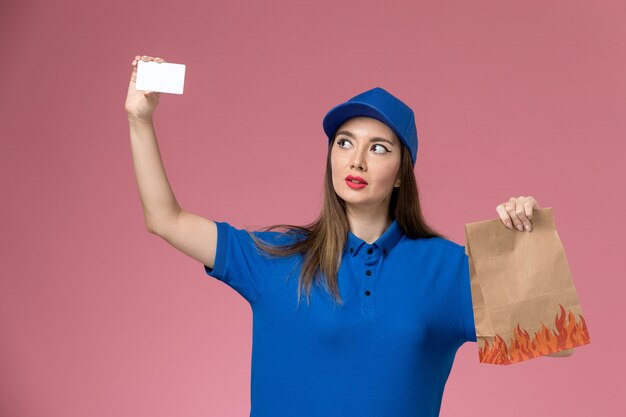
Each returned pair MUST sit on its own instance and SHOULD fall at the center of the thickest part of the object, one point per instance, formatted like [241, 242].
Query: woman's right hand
[141, 104]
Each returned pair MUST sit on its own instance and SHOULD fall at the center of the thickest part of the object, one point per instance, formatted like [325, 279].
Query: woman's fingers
[504, 216]
[151, 58]
[134, 73]
[511, 209]
[146, 58]
[517, 212]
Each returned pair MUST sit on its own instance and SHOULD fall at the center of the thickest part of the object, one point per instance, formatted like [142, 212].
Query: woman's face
[367, 148]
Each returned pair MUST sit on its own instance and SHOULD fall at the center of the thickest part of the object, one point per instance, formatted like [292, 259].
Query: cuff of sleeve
[218, 270]
[467, 308]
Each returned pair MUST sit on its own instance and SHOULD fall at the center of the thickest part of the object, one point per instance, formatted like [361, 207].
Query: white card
[164, 77]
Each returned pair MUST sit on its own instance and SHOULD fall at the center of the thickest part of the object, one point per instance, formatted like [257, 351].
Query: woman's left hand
[517, 211]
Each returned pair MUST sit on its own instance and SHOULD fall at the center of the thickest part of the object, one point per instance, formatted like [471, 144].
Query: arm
[187, 232]
[163, 216]
[157, 199]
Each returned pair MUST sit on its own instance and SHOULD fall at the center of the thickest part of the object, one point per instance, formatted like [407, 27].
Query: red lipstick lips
[355, 182]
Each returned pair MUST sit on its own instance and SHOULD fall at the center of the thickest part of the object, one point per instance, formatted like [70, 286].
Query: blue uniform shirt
[387, 351]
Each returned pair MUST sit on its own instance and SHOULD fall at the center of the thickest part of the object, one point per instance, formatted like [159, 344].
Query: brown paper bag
[525, 303]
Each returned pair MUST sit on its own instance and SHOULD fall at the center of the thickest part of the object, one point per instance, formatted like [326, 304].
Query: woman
[388, 298]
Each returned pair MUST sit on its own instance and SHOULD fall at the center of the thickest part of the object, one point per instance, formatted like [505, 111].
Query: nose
[357, 161]
[358, 165]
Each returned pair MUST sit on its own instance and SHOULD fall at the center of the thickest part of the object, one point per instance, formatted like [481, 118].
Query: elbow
[156, 225]
[150, 228]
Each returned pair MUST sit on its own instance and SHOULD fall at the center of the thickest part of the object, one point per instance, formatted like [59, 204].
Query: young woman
[388, 298]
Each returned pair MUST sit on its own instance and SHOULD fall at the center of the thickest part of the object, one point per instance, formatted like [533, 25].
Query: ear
[397, 184]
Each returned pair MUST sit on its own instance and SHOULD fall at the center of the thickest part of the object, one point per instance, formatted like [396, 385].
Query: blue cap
[378, 104]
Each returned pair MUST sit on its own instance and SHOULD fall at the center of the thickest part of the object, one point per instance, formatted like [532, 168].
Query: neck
[368, 226]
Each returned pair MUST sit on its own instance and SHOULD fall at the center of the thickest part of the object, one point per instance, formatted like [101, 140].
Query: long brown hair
[323, 240]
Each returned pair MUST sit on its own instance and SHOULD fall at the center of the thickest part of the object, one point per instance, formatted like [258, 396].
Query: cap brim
[344, 111]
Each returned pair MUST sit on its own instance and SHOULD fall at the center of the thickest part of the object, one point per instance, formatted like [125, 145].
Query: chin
[355, 200]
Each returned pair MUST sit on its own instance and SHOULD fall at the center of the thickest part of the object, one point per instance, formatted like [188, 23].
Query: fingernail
[508, 225]
[528, 228]
[519, 227]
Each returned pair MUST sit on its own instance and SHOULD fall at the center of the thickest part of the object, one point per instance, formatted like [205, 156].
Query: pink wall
[100, 318]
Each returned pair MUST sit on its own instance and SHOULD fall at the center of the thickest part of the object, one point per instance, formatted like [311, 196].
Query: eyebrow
[374, 139]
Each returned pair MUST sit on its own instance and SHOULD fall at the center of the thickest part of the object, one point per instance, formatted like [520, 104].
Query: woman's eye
[386, 150]
[340, 141]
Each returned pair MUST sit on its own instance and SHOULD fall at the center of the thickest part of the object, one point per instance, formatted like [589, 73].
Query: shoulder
[244, 234]
[446, 243]
[275, 237]
[437, 243]
[440, 246]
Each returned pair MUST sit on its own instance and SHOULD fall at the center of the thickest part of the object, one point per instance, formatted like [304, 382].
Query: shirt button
[368, 272]
[351, 250]
[384, 250]
[369, 251]
[367, 293]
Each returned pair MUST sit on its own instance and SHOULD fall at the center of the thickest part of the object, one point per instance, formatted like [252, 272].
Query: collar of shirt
[384, 243]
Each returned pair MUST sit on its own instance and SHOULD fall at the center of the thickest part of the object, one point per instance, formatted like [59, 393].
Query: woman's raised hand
[141, 104]
[517, 211]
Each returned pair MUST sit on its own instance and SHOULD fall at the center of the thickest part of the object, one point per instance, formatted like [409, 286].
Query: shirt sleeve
[467, 309]
[238, 262]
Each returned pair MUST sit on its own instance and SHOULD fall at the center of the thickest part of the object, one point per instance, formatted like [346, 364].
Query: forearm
[157, 198]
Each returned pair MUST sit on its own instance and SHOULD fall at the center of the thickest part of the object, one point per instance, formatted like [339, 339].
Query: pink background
[100, 318]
